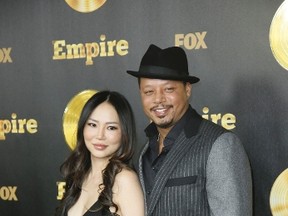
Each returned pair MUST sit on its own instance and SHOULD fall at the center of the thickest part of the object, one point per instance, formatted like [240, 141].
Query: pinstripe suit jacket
[207, 174]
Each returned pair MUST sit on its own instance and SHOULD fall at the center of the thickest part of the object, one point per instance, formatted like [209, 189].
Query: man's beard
[164, 124]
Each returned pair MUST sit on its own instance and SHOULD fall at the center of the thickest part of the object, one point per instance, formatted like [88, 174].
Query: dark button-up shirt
[152, 160]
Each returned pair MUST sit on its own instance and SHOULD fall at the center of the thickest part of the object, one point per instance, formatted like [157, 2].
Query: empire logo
[227, 120]
[90, 50]
[5, 56]
[8, 193]
[191, 40]
[17, 126]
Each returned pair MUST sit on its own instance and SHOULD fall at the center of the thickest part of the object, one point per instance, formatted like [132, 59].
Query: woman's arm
[128, 195]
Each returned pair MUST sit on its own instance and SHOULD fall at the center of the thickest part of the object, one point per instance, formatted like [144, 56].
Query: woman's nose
[100, 133]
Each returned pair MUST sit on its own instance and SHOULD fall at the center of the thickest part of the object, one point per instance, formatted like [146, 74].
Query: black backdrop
[228, 47]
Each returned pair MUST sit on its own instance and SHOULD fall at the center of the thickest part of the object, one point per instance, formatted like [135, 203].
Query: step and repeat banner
[54, 54]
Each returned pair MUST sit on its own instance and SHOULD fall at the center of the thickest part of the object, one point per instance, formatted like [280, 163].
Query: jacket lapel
[181, 146]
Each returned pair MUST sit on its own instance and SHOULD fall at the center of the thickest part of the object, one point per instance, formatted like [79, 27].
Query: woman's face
[102, 132]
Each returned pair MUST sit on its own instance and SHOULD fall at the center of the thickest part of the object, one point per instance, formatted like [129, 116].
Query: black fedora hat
[168, 64]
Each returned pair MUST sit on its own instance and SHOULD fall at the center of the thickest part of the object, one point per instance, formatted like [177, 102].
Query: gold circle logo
[85, 6]
[71, 116]
[279, 195]
[279, 35]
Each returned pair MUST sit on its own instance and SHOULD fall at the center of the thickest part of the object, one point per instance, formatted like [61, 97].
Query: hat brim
[139, 74]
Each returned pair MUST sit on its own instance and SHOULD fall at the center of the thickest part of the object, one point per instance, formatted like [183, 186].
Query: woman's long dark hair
[77, 166]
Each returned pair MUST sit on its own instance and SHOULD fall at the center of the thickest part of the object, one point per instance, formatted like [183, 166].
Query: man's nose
[159, 96]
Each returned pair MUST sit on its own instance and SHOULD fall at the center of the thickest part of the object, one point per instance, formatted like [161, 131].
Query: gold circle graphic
[85, 6]
[279, 35]
[279, 195]
[71, 116]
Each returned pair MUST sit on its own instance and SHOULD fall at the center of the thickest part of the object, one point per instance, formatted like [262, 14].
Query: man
[190, 166]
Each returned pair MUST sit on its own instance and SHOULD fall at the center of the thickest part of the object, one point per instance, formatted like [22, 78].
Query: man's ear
[188, 88]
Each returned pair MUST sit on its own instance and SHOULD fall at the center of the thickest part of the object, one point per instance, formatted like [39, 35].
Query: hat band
[160, 71]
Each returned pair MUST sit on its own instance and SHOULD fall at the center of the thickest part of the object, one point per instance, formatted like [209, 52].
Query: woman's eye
[91, 124]
[112, 128]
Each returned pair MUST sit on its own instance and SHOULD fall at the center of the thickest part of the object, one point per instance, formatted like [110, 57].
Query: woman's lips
[100, 146]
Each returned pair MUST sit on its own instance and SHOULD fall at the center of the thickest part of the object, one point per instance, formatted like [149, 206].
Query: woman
[98, 178]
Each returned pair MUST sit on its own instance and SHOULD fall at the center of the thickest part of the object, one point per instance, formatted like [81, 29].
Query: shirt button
[148, 192]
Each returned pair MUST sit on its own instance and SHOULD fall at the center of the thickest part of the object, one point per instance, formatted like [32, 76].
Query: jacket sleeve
[229, 181]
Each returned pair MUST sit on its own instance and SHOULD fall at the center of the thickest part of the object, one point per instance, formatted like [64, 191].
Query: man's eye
[149, 92]
[169, 90]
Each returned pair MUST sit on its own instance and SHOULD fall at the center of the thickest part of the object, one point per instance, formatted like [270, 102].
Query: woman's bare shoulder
[127, 190]
[126, 176]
